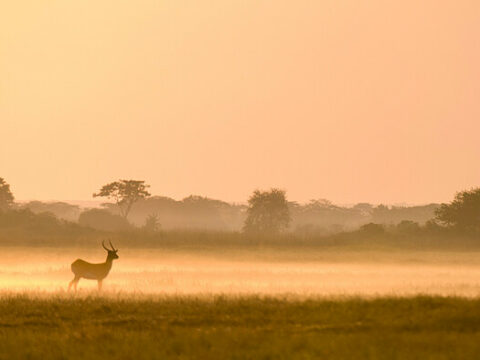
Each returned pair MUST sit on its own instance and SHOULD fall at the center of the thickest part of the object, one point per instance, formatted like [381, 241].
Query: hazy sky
[374, 101]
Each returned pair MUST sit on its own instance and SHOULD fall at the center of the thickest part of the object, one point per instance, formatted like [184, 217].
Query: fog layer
[182, 272]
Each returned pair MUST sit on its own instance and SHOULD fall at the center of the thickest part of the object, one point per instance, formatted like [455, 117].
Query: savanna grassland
[60, 326]
[220, 295]
[261, 303]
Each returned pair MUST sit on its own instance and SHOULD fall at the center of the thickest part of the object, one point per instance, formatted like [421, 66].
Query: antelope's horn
[103, 244]
[111, 245]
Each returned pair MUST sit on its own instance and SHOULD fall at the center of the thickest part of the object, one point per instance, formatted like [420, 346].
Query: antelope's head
[112, 252]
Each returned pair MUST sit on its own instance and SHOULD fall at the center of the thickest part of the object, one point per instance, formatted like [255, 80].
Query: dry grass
[117, 326]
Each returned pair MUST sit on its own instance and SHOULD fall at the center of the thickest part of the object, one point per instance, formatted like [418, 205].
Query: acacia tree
[6, 196]
[267, 212]
[125, 193]
[463, 213]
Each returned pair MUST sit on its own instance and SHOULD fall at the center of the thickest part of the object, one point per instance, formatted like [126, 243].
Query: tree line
[130, 205]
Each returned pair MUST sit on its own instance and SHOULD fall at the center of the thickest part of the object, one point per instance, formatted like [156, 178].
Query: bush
[372, 229]
[408, 227]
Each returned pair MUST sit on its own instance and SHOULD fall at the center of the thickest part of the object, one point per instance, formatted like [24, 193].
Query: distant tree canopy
[101, 219]
[61, 210]
[268, 212]
[193, 212]
[463, 212]
[125, 193]
[6, 196]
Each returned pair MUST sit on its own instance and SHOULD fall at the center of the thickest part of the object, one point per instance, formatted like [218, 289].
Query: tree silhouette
[125, 193]
[463, 212]
[6, 196]
[152, 223]
[267, 212]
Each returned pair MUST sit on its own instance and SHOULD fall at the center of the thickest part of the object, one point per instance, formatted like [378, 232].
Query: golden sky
[374, 101]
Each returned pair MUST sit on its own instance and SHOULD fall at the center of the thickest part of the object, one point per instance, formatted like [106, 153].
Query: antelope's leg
[100, 285]
[76, 283]
[73, 282]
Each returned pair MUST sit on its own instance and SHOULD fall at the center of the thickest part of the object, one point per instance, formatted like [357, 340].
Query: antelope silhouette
[86, 270]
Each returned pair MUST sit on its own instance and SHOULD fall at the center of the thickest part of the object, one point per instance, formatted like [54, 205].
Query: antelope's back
[78, 265]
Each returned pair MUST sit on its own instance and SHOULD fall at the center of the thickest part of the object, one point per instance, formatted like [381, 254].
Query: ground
[116, 326]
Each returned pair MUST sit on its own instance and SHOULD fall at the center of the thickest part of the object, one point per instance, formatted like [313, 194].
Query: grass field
[267, 272]
[60, 326]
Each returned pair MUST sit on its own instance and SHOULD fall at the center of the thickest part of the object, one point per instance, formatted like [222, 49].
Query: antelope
[86, 270]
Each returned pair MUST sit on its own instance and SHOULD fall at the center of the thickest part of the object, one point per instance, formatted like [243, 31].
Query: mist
[283, 273]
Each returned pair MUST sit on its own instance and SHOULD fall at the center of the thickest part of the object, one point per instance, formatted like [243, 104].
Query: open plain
[185, 304]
